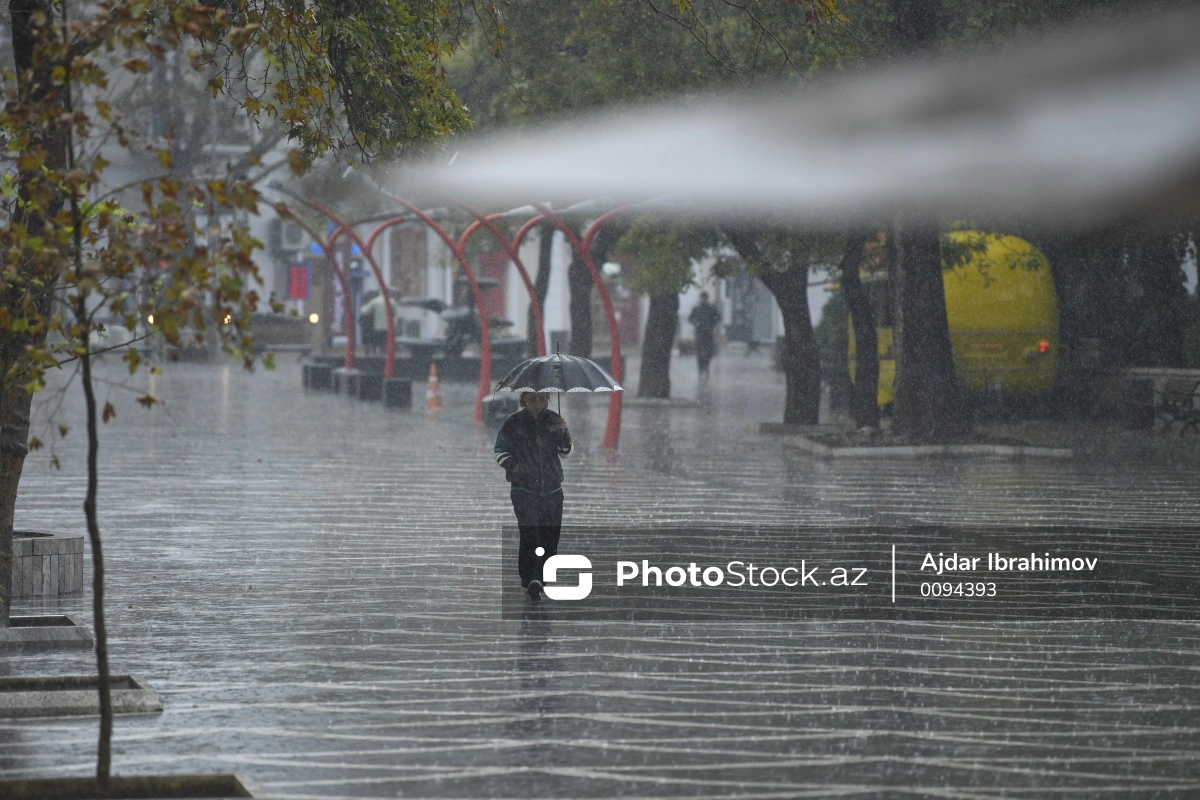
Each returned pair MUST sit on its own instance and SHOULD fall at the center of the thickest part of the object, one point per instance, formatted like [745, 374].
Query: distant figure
[372, 320]
[705, 318]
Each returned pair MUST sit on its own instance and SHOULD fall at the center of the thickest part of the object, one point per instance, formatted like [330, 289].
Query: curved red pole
[383, 226]
[347, 300]
[612, 432]
[526, 228]
[511, 251]
[485, 339]
[390, 351]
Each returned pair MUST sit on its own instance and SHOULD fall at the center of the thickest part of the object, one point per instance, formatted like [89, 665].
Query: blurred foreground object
[1094, 125]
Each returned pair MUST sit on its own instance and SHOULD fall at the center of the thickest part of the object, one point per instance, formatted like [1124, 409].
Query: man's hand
[561, 424]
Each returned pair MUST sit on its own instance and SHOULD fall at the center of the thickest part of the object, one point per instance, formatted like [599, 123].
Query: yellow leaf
[297, 162]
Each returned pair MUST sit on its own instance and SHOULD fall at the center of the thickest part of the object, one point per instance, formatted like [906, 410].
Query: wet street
[313, 586]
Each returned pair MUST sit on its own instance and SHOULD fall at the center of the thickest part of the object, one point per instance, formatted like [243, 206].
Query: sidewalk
[310, 583]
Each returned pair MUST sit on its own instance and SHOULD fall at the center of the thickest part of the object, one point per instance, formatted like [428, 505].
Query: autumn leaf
[35, 443]
[109, 412]
[297, 162]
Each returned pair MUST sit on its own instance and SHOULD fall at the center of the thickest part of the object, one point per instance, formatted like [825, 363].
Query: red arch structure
[345, 227]
[348, 301]
[511, 249]
[485, 339]
[612, 432]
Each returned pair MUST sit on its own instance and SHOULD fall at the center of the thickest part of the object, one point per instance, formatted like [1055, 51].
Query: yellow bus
[1002, 311]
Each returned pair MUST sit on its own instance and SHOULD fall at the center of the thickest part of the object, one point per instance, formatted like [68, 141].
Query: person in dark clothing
[528, 447]
[705, 318]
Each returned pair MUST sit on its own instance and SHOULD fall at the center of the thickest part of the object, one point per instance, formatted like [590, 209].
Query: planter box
[46, 564]
[44, 632]
[131, 786]
[318, 376]
[73, 696]
[398, 393]
[345, 381]
[370, 386]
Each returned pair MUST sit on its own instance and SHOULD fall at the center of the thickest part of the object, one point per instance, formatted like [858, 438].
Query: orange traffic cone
[433, 397]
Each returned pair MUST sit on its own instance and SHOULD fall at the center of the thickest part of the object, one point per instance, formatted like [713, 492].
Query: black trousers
[539, 517]
[705, 349]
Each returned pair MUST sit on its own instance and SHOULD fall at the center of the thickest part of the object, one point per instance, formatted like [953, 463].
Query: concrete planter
[46, 564]
[318, 376]
[398, 393]
[44, 632]
[162, 787]
[370, 386]
[74, 696]
[345, 381]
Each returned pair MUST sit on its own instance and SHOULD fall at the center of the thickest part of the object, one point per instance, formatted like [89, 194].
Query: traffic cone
[433, 397]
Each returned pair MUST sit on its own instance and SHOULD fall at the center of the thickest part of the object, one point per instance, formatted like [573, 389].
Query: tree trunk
[14, 438]
[864, 392]
[580, 283]
[801, 359]
[104, 748]
[928, 405]
[541, 282]
[40, 99]
[662, 321]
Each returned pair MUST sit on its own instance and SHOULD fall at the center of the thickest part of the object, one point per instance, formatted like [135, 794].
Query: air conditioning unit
[293, 236]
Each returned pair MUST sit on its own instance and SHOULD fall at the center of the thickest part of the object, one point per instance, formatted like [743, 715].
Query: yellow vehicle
[1002, 312]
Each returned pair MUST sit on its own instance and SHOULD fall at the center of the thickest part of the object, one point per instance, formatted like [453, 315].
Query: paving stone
[312, 586]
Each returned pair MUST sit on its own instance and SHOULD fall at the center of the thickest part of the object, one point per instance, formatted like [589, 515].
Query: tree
[541, 282]
[864, 392]
[664, 252]
[78, 250]
[781, 259]
[559, 57]
[1121, 292]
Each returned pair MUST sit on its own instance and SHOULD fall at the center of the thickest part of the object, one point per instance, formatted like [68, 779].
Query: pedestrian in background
[705, 318]
[372, 321]
[528, 447]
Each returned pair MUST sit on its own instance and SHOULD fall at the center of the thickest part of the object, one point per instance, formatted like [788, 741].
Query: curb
[922, 451]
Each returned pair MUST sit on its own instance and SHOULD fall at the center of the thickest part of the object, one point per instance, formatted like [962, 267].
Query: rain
[970, 574]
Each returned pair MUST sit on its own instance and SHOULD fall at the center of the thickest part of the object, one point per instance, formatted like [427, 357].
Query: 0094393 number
[947, 589]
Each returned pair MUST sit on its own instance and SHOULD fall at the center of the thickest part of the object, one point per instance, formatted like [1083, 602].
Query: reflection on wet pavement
[311, 583]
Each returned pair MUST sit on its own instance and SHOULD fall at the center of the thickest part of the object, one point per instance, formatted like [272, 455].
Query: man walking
[528, 447]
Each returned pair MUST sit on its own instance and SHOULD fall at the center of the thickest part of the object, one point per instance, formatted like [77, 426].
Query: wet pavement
[312, 585]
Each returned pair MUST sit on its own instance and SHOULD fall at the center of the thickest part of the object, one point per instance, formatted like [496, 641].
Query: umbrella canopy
[427, 303]
[558, 373]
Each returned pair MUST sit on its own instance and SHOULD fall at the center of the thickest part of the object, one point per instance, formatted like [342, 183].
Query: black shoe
[534, 590]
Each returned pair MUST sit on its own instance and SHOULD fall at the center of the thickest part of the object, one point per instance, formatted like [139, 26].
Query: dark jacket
[705, 318]
[528, 448]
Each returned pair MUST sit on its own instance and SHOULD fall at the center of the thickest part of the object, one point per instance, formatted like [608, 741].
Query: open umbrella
[558, 373]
